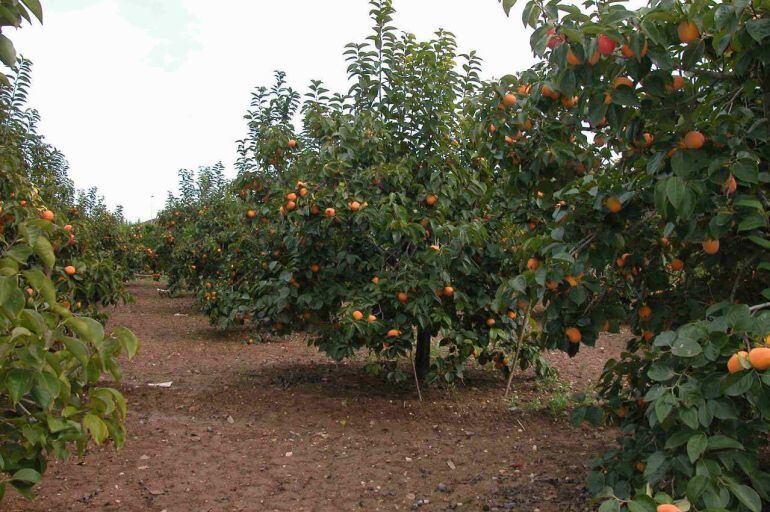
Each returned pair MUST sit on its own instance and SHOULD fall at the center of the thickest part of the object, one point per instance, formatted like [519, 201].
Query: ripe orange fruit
[767, 340]
[492, 129]
[613, 204]
[760, 358]
[676, 265]
[512, 315]
[549, 93]
[394, 333]
[569, 102]
[371, 319]
[315, 268]
[292, 143]
[491, 322]
[402, 297]
[551, 284]
[571, 281]
[645, 312]
[314, 210]
[606, 45]
[291, 205]
[711, 246]
[572, 59]
[357, 315]
[687, 32]
[330, 212]
[376, 280]
[574, 335]
[668, 508]
[648, 335]
[533, 264]
[448, 291]
[355, 206]
[623, 80]
[291, 196]
[70, 270]
[594, 58]
[693, 140]
[734, 363]
[629, 53]
[302, 192]
[524, 89]
[68, 227]
[431, 200]
[648, 139]
[251, 214]
[435, 248]
[509, 100]
[47, 215]
[677, 83]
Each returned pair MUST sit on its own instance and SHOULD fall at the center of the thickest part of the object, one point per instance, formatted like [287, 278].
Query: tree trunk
[422, 356]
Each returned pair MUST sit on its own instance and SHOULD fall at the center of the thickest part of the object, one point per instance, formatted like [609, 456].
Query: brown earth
[277, 427]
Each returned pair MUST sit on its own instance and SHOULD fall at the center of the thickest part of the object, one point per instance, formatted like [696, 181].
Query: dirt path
[277, 427]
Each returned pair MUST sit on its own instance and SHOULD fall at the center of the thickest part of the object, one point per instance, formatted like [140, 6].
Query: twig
[416, 379]
[518, 351]
[753, 309]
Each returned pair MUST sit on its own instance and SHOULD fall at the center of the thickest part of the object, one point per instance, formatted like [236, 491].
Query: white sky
[133, 90]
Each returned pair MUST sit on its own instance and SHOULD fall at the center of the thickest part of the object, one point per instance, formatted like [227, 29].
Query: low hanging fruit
[711, 246]
[330, 212]
[734, 364]
[47, 215]
[533, 264]
[668, 508]
[357, 315]
[70, 270]
[402, 297]
[431, 200]
[760, 358]
[574, 335]
[509, 100]
[613, 204]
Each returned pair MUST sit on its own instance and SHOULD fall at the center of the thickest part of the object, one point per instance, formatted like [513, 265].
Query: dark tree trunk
[422, 356]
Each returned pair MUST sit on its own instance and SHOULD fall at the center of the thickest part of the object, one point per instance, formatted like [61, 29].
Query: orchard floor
[277, 427]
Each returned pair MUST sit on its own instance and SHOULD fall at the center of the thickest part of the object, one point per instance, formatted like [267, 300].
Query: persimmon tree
[643, 196]
[375, 226]
[52, 359]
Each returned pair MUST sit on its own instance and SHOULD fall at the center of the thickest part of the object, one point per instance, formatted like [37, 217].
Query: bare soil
[277, 427]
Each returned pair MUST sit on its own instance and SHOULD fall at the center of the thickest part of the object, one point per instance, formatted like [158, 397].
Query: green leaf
[610, 506]
[747, 496]
[96, 427]
[128, 341]
[696, 486]
[642, 504]
[508, 5]
[765, 244]
[685, 347]
[26, 475]
[18, 382]
[675, 191]
[758, 29]
[44, 251]
[35, 7]
[76, 347]
[720, 442]
[7, 51]
[696, 446]
[86, 328]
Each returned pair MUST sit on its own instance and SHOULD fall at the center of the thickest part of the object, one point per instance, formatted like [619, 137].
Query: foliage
[52, 358]
[645, 185]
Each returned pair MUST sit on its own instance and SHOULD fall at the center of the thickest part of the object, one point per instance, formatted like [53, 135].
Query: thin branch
[519, 341]
[758, 307]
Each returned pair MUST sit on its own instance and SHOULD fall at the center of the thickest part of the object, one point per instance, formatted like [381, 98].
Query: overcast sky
[133, 90]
